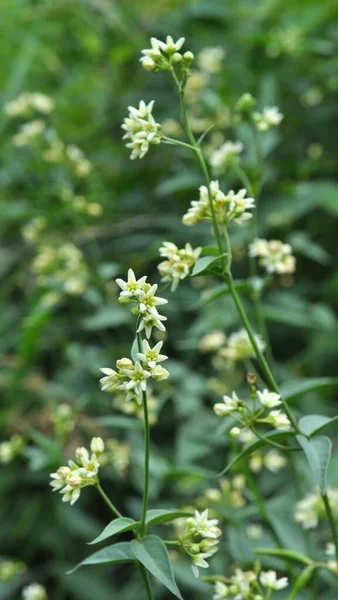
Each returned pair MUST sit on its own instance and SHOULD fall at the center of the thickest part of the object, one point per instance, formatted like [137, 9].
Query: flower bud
[97, 445]
[159, 373]
[124, 300]
[148, 64]
[235, 432]
[188, 57]
[124, 363]
[194, 549]
[177, 57]
[135, 311]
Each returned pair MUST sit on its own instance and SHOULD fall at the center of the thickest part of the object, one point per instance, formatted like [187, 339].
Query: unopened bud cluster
[200, 539]
[69, 480]
[163, 56]
[179, 263]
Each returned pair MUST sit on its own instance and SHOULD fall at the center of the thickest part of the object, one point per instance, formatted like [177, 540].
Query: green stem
[146, 581]
[143, 526]
[271, 442]
[107, 501]
[263, 363]
[174, 142]
[331, 521]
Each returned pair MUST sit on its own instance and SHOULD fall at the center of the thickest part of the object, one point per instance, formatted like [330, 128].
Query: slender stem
[174, 142]
[146, 581]
[331, 521]
[271, 442]
[264, 365]
[171, 543]
[107, 501]
[143, 527]
[269, 594]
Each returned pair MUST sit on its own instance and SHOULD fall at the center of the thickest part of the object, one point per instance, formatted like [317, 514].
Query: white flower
[179, 263]
[269, 399]
[269, 580]
[110, 380]
[148, 301]
[278, 419]
[60, 478]
[229, 404]
[22, 105]
[212, 341]
[34, 591]
[227, 207]
[138, 380]
[201, 525]
[148, 321]
[235, 432]
[226, 156]
[254, 531]
[97, 445]
[131, 287]
[308, 511]
[274, 256]
[41, 102]
[142, 129]
[239, 346]
[6, 452]
[238, 206]
[71, 492]
[90, 466]
[159, 373]
[169, 46]
[221, 591]
[151, 356]
[274, 461]
[28, 132]
[271, 117]
[210, 59]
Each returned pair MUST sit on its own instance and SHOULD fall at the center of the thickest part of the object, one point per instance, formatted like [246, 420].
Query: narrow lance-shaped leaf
[153, 555]
[292, 555]
[302, 580]
[116, 553]
[318, 454]
[158, 515]
[116, 526]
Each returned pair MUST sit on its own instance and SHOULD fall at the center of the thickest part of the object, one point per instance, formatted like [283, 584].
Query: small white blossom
[212, 341]
[273, 255]
[148, 321]
[28, 132]
[210, 59]
[221, 591]
[142, 129]
[239, 347]
[159, 373]
[274, 461]
[148, 301]
[199, 540]
[226, 156]
[151, 356]
[34, 591]
[269, 399]
[279, 420]
[138, 380]
[110, 381]
[269, 580]
[229, 404]
[169, 46]
[254, 532]
[132, 287]
[271, 117]
[179, 263]
[235, 432]
[22, 105]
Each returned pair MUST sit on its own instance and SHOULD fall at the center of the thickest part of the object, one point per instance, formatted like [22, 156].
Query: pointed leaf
[157, 516]
[116, 526]
[302, 580]
[311, 424]
[287, 554]
[153, 555]
[274, 435]
[203, 264]
[318, 454]
[116, 553]
[294, 389]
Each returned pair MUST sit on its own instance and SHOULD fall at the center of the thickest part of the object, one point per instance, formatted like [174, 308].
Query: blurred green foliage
[84, 55]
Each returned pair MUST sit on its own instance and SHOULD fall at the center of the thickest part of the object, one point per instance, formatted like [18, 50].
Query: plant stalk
[331, 521]
[107, 501]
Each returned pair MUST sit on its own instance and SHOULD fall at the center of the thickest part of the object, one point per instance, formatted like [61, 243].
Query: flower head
[269, 580]
[199, 540]
[278, 419]
[179, 262]
[271, 117]
[226, 156]
[151, 356]
[229, 405]
[142, 129]
[227, 207]
[269, 399]
[273, 255]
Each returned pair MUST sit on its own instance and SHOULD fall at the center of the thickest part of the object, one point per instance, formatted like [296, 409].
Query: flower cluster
[11, 448]
[239, 348]
[226, 156]
[273, 460]
[178, 264]
[141, 129]
[132, 377]
[143, 294]
[271, 117]
[34, 591]
[227, 207]
[69, 480]
[199, 540]
[163, 55]
[230, 495]
[244, 585]
[273, 255]
[61, 267]
[29, 102]
[310, 510]
[10, 569]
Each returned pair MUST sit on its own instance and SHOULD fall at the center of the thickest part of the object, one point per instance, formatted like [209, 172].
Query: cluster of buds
[143, 294]
[69, 480]
[163, 56]
[34, 591]
[239, 347]
[270, 117]
[199, 539]
[11, 448]
[61, 267]
[244, 107]
[274, 256]
[226, 156]
[179, 263]
[230, 494]
[248, 585]
[227, 207]
[10, 569]
[247, 417]
[141, 129]
[132, 377]
[310, 510]
[28, 103]
[272, 460]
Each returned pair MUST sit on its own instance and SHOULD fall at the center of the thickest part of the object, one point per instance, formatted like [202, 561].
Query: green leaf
[297, 388]
[287, 554]
[153, 555]
[311, 424]
[318, 453]
[256, 446]
[210, 251]
[116, 553]
[116, 526]
[134, 350]
[203, 264]
[157, 516]
[302, 580]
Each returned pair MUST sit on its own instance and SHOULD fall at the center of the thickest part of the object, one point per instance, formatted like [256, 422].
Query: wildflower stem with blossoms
[261, 418]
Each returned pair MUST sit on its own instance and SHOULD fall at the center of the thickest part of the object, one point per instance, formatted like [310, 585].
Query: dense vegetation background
[84, 55]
